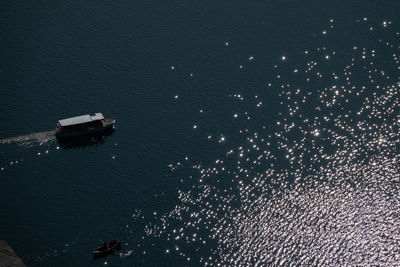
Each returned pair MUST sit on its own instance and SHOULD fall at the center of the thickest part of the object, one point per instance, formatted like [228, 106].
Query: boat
[107, 248]
[83, 125]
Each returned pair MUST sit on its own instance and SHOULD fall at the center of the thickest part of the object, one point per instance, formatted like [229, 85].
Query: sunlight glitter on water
[323, 188]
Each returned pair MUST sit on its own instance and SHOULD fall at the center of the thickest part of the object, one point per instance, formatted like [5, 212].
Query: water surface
[254, 133]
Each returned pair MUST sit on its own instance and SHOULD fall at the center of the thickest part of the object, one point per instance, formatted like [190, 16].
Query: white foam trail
[24, 140]
[124, 255]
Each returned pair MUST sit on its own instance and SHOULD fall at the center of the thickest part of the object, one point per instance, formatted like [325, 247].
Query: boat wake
[33, 138]
[124, 255]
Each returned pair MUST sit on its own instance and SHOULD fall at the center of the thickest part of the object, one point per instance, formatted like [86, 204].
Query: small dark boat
[83, 125]
[107, 248]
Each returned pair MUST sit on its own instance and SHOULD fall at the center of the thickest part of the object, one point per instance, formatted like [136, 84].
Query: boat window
[83, 126]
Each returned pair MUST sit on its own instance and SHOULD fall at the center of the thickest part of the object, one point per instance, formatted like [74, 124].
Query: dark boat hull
[108, 125]
[85, 140]
[100, 252]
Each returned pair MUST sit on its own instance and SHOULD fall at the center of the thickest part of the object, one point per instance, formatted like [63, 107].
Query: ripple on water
[323, 187]
[29, 139]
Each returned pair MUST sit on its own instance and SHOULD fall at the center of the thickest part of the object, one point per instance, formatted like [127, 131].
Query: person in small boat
[105, 245]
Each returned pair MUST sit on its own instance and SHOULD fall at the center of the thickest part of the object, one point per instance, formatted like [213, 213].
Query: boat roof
[80, 119]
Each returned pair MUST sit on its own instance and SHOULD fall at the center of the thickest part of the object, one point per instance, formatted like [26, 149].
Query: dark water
[248, 133]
